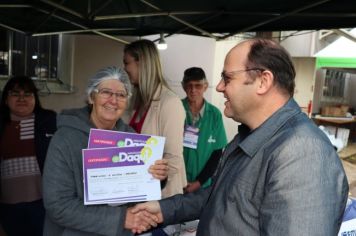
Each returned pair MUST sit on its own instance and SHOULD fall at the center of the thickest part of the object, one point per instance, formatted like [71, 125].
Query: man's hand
[140, 221]
[159, 170]
[151, 210]
[192, 187]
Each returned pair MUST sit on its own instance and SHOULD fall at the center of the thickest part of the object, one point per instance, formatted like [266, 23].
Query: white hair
[111, 72]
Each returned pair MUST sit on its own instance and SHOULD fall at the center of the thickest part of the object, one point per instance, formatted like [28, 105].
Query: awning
[341, 53]
[211, 18]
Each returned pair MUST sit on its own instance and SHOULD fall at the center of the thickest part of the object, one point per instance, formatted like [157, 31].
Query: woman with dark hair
[25, 132]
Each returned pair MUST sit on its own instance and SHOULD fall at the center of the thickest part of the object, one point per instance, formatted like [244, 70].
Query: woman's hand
[159, 170]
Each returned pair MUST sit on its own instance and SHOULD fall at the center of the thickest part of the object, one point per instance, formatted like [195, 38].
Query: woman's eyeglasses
[108, 93]
[20, 94]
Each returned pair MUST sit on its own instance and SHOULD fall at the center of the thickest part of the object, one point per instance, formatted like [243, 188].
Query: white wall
[221, 49]
[302, 44]
[186, 51]
[91, 54]
[95, 52]
[304, 80]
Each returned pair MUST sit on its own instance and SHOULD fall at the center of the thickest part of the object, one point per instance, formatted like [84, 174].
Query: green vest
[212, 136]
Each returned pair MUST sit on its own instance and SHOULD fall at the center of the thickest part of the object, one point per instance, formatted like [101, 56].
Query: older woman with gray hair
[108, 91]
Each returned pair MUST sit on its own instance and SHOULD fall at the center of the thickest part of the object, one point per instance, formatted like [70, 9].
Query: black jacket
[45, 127]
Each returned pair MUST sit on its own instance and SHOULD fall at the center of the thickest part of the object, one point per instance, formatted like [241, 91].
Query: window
[4, 53]
[335, 87]
[41, 58]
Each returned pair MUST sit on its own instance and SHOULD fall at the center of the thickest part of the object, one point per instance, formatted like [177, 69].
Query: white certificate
[348, 228]
[120, 175]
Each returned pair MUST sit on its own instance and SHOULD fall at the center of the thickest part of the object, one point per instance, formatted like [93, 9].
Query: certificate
[120, 175]
[99, 138]
[347, 228]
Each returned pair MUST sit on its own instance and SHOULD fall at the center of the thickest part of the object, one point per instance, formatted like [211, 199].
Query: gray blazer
[284, 178]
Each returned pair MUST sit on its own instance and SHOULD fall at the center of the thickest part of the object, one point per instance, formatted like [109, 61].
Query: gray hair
[111, 72]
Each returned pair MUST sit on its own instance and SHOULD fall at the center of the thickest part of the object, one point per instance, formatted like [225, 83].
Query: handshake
[143, 217]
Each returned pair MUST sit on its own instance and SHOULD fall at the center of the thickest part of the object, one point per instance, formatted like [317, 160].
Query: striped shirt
[20, 173]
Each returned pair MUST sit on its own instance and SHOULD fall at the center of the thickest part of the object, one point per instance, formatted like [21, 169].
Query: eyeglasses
[190, 86]
[227, 76]
[18, 94]
[108, 93]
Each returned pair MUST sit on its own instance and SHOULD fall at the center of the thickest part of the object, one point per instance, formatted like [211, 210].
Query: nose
[220, 87]
[193, 88]
[114, 98]
[21, 97]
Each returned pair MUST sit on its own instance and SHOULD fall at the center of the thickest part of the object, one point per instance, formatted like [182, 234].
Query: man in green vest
[204, 133]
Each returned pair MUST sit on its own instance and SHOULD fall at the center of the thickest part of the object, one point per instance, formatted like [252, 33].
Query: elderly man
[204, 132]
[280, 175]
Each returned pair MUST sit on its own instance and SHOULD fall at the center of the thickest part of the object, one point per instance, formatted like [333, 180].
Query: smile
[110, 108]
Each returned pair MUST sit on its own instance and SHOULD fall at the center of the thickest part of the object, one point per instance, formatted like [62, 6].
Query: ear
[265, 82]
[206, 85]
[91, 99]
[183, 87]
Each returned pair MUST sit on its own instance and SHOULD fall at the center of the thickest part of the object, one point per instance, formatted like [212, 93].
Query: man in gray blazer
[280, 175]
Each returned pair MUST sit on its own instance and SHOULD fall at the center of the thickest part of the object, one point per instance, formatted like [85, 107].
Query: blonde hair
[150, 71]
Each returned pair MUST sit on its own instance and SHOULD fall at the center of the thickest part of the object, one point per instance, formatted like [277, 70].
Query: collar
[14, 117]
[190, 119]
[251, 141]
[205, 108]
[201, 112]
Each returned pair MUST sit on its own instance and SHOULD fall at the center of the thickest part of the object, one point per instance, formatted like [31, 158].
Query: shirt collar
[251, 142]
[201, 112]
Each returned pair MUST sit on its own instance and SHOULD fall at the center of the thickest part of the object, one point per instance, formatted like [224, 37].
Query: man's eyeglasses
[227, 76]
[108, 93]
[190, 85]
[19, 94]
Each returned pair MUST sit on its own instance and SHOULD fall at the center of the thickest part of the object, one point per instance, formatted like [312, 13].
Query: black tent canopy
[211, 18]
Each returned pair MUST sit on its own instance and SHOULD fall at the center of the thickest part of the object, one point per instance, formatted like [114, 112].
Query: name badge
[191, 135]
